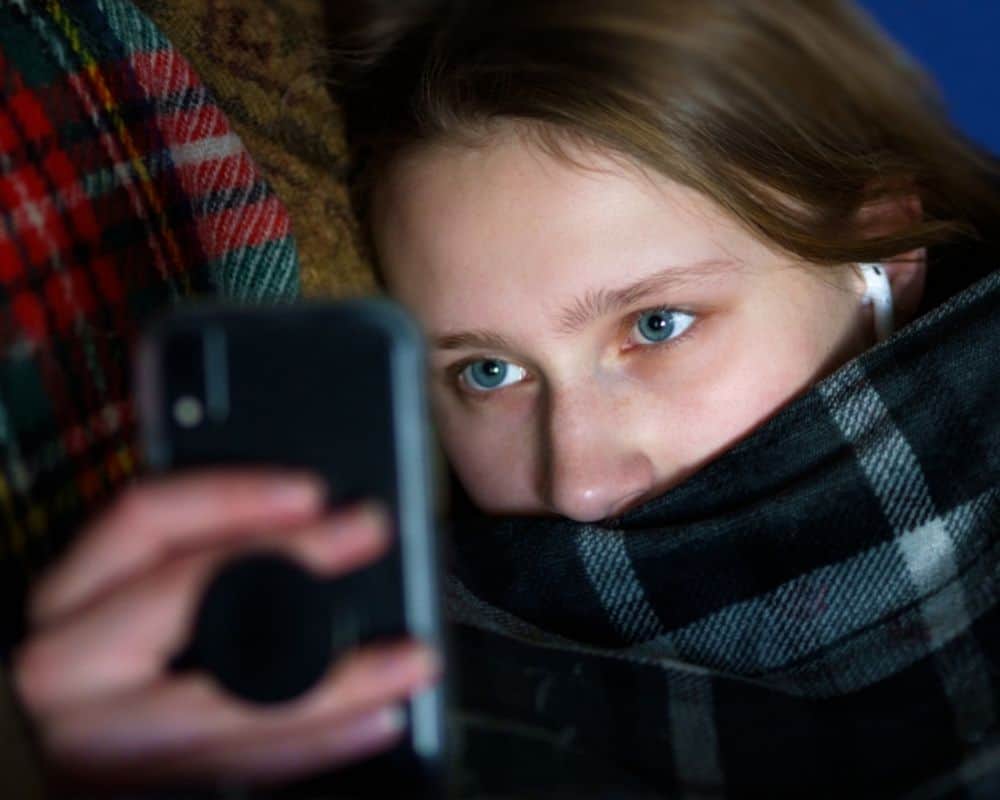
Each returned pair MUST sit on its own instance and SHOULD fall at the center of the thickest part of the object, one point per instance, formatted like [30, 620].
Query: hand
[108, 617]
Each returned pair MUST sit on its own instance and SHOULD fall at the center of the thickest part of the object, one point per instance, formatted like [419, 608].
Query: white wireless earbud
[878, 293]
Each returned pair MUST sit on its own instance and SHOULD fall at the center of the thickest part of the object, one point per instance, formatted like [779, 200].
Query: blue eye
[661, 325]
[491, 373]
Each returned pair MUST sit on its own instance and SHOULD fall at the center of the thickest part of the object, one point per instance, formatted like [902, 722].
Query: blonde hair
[792, 115]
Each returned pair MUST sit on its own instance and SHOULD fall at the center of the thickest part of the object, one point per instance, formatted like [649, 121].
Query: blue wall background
[958, 41]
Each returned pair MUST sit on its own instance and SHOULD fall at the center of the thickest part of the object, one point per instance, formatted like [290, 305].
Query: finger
[150, 520]
[123, 639]
[321, 746]
[191, 714]
[325, 744]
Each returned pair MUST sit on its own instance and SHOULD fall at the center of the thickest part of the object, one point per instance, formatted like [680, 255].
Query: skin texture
[506, 239]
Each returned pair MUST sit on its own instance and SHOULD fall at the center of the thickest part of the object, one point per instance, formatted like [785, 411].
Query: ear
[907, 271]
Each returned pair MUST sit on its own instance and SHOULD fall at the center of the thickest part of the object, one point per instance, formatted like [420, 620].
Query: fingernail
[366, 516]
[410, 659]
[294, 493]
[429, 659]
[387, 721]
[376, 516]
[392, 719]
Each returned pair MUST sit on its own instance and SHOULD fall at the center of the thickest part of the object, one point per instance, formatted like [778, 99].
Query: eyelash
[455, 370]
[634, 319]
[455, 379]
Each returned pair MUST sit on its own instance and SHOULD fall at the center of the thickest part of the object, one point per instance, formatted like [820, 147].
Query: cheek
[494, 459]
[790, 355]
[741, 374]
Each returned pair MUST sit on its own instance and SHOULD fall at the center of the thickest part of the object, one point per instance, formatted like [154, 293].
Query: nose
[593, 462]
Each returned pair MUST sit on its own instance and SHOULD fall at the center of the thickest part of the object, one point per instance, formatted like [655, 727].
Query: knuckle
[39, 600]
[128, 509]
[32, 675]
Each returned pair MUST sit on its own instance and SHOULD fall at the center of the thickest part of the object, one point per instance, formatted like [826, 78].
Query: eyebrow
[603, 302]
[593, 305]
[487, 340]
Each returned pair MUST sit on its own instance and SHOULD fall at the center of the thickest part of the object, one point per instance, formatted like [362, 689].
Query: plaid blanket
[816, 613]
[123, 190]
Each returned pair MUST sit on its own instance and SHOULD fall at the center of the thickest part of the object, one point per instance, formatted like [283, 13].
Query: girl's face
[596, 336]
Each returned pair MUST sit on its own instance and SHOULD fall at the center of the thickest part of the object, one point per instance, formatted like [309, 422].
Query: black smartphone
[337, 389]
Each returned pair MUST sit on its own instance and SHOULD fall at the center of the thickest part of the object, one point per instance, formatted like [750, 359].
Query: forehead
[508, 221]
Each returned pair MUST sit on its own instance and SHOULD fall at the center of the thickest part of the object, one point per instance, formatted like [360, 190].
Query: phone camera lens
[188, 411]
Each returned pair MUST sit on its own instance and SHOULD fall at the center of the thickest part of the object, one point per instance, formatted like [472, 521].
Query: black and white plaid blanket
[814, 614]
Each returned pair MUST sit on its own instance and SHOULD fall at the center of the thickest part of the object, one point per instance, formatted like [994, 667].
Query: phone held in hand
[337, 389]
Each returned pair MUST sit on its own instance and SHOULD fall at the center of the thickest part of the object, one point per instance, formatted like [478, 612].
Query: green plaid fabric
[123, 191]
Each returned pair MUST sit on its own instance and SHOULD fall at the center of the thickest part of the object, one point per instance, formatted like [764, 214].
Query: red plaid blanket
[123, 190]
